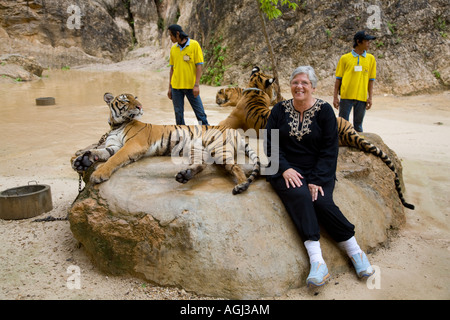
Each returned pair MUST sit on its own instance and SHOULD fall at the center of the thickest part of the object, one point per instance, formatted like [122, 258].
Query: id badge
[358, 68]
[186, 58]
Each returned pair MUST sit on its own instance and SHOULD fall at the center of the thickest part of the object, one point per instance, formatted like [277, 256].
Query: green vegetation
[65, 68]
[379, 43]
[269, 7]
[441, 26]
[392, 28]
[437, 74]
[215, 63]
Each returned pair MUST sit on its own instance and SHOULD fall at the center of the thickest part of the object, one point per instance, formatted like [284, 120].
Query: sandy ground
[39, 260]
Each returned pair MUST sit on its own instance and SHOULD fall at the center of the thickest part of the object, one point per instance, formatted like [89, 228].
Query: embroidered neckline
[295, 122]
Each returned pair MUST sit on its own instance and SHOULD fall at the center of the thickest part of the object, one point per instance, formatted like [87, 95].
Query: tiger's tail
[351, 138]
[371, 148]
[254, 159]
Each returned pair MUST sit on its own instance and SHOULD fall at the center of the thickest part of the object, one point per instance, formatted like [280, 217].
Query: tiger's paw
[83, 162]
[100, 175]
[184, 176]
[240, 188]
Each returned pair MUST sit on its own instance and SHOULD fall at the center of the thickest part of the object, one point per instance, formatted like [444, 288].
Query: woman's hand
[292, 178]
[314, 189]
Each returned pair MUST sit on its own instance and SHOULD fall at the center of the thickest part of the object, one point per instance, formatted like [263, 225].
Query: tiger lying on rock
[252, 112]
[130, 139]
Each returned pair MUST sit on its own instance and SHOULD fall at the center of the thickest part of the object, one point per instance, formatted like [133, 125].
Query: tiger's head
[261, 81]
[222, 96]
[231, 95]
[123, 108]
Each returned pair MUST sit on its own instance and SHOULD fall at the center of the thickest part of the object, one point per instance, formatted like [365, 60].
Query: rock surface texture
[200, 237]
[412, 47]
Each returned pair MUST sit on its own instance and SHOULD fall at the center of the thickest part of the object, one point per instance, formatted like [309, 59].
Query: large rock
[200, 237]
[411, 36]
[62, 32]
[19, 68]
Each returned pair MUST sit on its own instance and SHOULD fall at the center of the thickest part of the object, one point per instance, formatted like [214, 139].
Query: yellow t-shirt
[355, 71]
[184, 62]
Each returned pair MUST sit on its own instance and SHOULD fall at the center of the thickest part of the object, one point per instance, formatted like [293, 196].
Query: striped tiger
[130, 139]
[228, 97]
[252, 112]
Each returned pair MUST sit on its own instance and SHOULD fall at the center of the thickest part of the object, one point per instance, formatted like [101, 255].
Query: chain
[80, 175]
[80, 179]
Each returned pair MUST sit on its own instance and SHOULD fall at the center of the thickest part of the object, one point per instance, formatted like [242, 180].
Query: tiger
[252, 112]
[228, 97]
[130, 139]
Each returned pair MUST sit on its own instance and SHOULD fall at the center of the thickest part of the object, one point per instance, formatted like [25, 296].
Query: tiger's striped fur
[130, 139]
[252, 112]
[227, 97]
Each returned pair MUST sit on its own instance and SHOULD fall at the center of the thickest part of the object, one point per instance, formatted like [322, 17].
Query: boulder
[18, 67]
[200, 237]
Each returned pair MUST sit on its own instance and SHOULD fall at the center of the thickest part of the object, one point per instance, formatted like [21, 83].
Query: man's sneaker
[362, 265]
[317, 275]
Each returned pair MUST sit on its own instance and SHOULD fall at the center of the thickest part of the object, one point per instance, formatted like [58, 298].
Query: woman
[308, 151]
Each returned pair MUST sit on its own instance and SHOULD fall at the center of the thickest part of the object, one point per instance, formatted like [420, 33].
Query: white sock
[350, 246]
[314, 251]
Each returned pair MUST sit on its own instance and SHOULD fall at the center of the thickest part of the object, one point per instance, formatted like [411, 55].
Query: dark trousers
[196, 104]
[307, 214]
[359, 111]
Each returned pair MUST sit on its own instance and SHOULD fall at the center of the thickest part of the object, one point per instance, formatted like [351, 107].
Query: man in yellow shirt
[186, 60]
[355, 74]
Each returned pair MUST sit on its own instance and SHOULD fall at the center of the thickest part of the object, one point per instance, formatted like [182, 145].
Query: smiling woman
[306, 177]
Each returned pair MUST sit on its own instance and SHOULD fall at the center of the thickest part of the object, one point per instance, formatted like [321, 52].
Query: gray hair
[309, 71]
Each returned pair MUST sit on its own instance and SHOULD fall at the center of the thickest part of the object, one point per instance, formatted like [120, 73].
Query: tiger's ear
[108, 97]
[255, 70]
[269, 82]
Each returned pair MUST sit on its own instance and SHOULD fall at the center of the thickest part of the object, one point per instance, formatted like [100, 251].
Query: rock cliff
[200, 237]
[412, 48]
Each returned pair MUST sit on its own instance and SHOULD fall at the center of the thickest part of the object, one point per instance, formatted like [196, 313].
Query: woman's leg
[341, 230]
[331, 217]
[300, 208]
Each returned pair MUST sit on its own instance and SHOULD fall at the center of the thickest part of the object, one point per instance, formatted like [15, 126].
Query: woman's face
[301, 87]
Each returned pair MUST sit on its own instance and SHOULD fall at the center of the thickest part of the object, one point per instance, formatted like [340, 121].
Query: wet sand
[36, 258]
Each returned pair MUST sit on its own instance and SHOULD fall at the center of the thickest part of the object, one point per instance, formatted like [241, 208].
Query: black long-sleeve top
[309, 146]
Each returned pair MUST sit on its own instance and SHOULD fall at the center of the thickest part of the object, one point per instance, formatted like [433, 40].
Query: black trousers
[307, 214]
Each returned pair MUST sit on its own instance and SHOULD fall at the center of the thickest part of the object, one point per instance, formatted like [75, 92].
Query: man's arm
[369, 96]
[169, 93]
[337, 85]
[198, 74]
